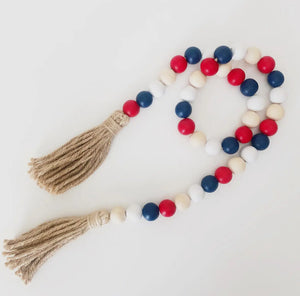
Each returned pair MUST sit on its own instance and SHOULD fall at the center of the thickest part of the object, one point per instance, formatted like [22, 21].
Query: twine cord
[75, 161]
[30, 250]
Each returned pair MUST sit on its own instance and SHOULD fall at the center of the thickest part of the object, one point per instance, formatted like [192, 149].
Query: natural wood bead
[197, 79]
[253, 55]
[224, 69]
[118, 215]
[167, 76]
[237, 165]
[198, 139]
[275, 112]
[182, 201]
[251, 119]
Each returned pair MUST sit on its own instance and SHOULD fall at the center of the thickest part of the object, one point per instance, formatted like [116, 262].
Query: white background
[66, 65]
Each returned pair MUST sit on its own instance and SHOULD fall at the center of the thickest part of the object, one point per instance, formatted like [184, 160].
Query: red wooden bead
[167, 208]
[243, 134]
[223, 175]
[131, 108]
[268, 127]
[178, 64]
[266, 64]
[209, 67]
[236, 76]
[186, 126]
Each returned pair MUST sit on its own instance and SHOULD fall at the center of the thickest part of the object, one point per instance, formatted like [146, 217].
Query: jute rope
[75, 161]
[31, 249]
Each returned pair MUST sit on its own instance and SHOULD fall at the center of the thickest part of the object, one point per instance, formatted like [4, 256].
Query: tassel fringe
[31, 249]
[75, 161]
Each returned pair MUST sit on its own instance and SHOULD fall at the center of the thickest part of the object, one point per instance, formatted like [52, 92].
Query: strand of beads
[178, 64]
[221, 66]
[260, 141]
[248, 87]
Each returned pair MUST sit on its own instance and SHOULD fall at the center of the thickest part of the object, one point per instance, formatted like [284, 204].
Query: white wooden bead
[197, 79]
[212, 147]
[118, 215]
[188, 93]
[198, 139]
[196, 192]
[237, 165]
[275, 112]
[167, 76]
[239, 52]
[224, 69]
[182, 201]
[134, 212]
[253, 55]
[157, 89]
[249, 154]
[251, 119]
[256, 103]
[277, 95]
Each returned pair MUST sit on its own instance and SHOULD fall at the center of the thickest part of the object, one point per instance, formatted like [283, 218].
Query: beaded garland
[72, 163]
[217, 65]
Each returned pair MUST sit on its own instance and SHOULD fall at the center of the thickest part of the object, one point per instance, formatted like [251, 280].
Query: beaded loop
[221, 66]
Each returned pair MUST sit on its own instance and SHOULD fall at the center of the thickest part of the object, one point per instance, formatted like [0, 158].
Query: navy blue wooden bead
[150, 211]
[223, 54]
[193, 55]
[275, 78]
[230, 145]
[144, 99]
[209, 183]
[249, 87]
[260, 141]
[183, 109]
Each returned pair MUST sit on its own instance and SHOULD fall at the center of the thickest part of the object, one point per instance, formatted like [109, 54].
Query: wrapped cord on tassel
[31, 249]
[75, 161]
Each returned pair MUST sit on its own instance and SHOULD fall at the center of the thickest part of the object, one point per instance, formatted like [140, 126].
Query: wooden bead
[157, 88]
[188, 93]
[182, 201]
[277, 95]
[198, 139]
[275, 112]
[118, 215]
[197, 79]
[196, 192]
[237, 165]
[134, 212]
[224, 69]
[251, 119]
[212, 147]
[239, 51]
[256, 103]
[167, 208]
[253, 55]
[249, 154]
[167, 76]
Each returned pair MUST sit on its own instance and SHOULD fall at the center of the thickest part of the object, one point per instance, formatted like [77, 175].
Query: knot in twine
[97, 218]
[116, 121]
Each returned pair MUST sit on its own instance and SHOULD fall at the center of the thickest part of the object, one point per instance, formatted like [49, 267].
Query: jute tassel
[31, 249]
[75, 161]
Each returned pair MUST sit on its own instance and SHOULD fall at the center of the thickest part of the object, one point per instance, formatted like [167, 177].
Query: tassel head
[31, 249]
[75, 161]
